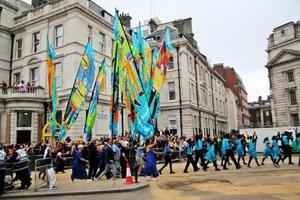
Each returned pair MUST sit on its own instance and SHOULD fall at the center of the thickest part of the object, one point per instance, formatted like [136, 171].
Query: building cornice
[9, 5]
[63, 10]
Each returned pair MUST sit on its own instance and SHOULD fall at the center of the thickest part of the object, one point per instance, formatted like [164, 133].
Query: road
[266, 182]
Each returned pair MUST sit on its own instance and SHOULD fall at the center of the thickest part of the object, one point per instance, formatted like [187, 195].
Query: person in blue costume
[298, 146]
[211, 154]
[199, 153]
[275, 151]
[252, 149]
[267, 151]
[190, 160]
[240, 149]
[287, 150]
[150, 164]
[223, 150]
[78, 169]
[167, 158]
[229, 152]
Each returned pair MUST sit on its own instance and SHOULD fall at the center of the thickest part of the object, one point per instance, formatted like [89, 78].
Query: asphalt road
[266, 182]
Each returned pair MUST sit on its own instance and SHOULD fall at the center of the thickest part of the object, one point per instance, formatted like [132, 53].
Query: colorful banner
[136, 91]
[52, 88]
[114, 99]
[81, 88]
[92, 110]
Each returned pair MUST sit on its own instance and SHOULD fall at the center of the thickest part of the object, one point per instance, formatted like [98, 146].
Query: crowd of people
[111, 157]
[17, 86]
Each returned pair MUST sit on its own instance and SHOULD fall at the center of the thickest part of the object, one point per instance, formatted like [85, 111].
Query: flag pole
[113, 91]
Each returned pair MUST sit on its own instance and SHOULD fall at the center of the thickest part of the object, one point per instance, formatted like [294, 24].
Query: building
[193, 96]
[284, 74]
[260, 113]
[69, 24]
[234, 82]
[232, 111]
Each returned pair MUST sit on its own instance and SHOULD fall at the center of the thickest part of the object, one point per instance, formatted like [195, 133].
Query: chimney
[36, 3]
[126, 20]
[153, 25]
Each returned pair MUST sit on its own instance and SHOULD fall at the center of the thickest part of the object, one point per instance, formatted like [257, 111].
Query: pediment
[284, 55]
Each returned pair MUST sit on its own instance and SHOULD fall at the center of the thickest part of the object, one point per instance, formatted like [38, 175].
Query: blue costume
[298, 144]
[224, 146]
[275, 149]
[267, 150]
[150, 165]
[240, 148]
[210, 155]
[252, 149]
[78, 169]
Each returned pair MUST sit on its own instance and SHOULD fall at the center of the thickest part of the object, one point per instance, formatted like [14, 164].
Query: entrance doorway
[23, 137]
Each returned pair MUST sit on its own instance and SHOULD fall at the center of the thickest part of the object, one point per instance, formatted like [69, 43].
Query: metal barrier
[176, 156]
[41, 166]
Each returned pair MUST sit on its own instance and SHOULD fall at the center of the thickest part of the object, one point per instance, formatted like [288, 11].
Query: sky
[233, 32]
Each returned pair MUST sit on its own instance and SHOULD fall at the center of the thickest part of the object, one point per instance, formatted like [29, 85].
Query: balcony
[28, 93]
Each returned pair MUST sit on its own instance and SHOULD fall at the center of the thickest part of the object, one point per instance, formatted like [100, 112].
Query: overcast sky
[233, 32]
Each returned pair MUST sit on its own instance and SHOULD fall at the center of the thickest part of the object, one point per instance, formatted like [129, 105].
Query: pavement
[66, 187]
[265, 182]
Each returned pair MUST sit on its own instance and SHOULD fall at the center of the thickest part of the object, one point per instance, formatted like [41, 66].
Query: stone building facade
[284, 74]
[68, 24]
[260, 113]
[234, 82]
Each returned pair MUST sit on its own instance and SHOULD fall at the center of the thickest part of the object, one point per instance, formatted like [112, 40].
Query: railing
[14, 92]
[41, 166]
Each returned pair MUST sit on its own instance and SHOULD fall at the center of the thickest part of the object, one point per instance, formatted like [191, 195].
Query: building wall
[283, 57]
[231, 108]
[75, 17]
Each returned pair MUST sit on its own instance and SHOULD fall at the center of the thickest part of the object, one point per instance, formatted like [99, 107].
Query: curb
[72, 193]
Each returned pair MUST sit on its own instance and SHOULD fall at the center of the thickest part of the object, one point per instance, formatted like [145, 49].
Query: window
[295, 119]
[90, 34]
[102, 43]
[171, 86]
[290, 76]
[58, 32]
[34, 76]
[267, 113]
[192, 91]
[17, 77]
[293, 99]
[23, 119]
[171, 63]
[112, 46]
[172, 121]
[36, 42]
[19, 48]
[58, 75]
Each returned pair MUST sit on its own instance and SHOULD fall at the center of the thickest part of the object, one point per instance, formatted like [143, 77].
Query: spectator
[22, 87]
[4, 87]
[60, 163]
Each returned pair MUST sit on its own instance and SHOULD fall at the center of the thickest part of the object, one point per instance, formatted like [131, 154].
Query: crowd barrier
[40, 169]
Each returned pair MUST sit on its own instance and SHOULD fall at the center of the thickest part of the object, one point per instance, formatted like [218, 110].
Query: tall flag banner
[52, 88]
[160, 69]
[80, 90]
[136, 92]
[114, 99]
[92, 109]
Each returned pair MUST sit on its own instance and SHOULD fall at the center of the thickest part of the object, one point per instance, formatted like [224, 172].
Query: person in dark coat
[92, 157]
